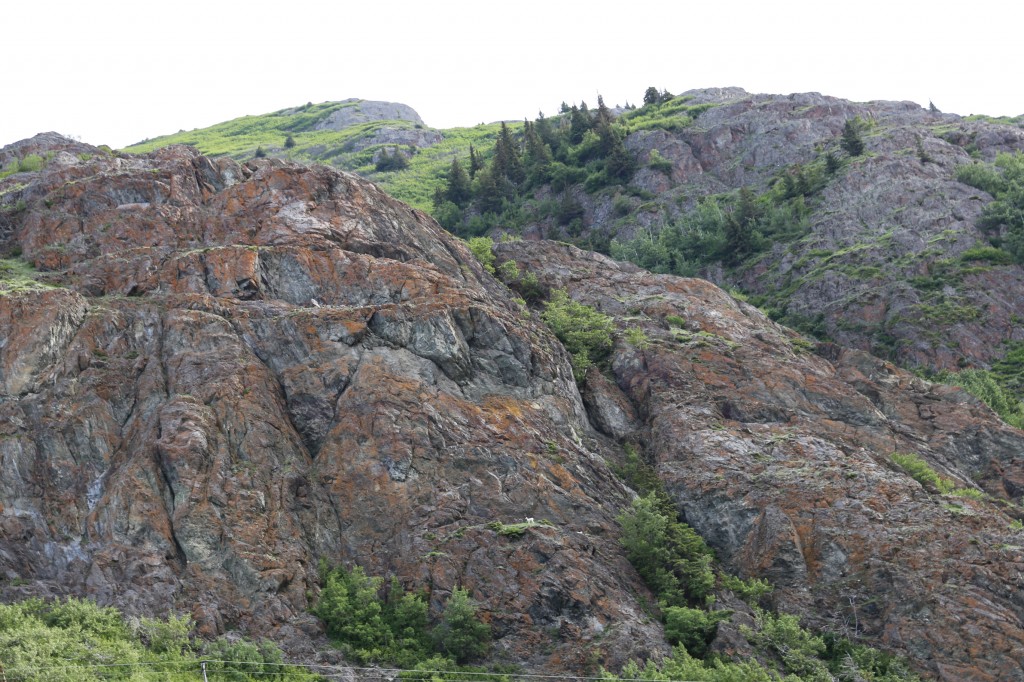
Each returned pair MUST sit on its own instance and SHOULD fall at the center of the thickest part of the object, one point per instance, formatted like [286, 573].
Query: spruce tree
[537, 161]
[851, 141]
[507, 163]
[579, 124]
[475, 162]
[651, 96]
[460, 190]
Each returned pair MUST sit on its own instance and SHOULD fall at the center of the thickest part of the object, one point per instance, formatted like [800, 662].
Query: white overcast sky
[114, 72]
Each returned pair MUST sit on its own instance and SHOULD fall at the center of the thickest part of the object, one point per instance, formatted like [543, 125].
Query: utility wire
[330, 671]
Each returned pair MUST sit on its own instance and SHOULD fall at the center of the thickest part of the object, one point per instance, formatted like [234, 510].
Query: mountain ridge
[222, 373]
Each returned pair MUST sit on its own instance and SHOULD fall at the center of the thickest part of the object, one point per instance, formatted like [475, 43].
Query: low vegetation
[1002, 218]
[679, 569]
[17, 276]
[373, 624]
[77, 641]
[585, 332]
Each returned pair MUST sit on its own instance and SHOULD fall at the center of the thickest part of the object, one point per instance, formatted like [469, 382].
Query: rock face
[229, 372]
[780, 454]
[362, 111]
[245, 369]
[880, 267]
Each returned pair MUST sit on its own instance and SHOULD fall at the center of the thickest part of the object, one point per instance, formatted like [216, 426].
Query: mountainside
[241, 369]
[215, 375]
[888, 250]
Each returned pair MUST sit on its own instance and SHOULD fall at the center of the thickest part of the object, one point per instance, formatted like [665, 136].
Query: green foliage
[460, 189]
[682, 666]
[1009, 370]
[638, 474]
[986, 387]
[669, 555]
[460, 634]
[441, 669]
[986, 254]
[77, 641]
[637, 337]
[586, 333]
[289, 142]
[353, 614]
[800, 651]
[517, 530]
[391, 161]
[397, 629]
[659, 163]
[242, 661]
[692, 628]
[31, 163]
[750, 590]
[483, 249]
[921, 472]
[851, 141]
[17, 276]
[508, 271]
[1004, 216]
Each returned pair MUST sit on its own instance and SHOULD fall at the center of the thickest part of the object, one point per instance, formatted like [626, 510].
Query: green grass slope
[350, 148]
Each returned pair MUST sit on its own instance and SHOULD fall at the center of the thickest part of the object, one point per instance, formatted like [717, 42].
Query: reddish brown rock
[780, 455]
[251, 368]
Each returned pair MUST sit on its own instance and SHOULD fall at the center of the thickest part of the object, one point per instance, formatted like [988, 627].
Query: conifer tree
[537, 159]
[507, 163]
[579, 124]
[651, 96]
[475, 162]
[851, 141]
[460, 190]
[604, 114]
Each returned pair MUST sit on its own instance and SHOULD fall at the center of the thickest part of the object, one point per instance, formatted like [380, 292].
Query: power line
[330, 671]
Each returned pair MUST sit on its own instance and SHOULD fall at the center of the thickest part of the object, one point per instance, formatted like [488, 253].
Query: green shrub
[659, 163]
[483, 249]
[986, 387]
[750, 590]
[987, 254]
[30, 164]
[692, 628]
[921, 472]
[461, 634]
[352, 613]
[637, 337]
[800, 651]
[508, 271]
[243, 661]
[75, 640]
[586, 333]
[669, 555]
[676, 321]
[397, 630]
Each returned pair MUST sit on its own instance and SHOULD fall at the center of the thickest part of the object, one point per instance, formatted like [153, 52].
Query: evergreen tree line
[580, 146]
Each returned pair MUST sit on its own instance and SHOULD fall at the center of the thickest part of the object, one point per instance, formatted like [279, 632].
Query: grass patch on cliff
[17, 276]
[518, 530]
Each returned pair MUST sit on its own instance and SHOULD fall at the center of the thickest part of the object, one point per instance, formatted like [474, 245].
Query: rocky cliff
[234, 371]
[222, 373]
[780, 453]
[883, 264]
